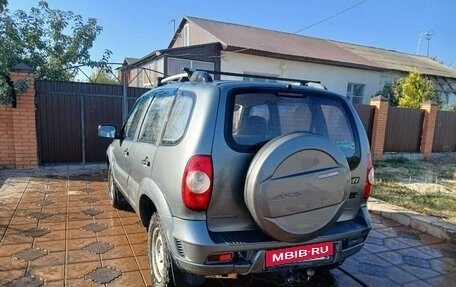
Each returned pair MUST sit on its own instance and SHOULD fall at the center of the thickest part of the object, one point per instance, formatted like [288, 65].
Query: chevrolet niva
[240, 177]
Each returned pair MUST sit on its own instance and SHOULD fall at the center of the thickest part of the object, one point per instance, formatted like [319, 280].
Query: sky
[137, 27]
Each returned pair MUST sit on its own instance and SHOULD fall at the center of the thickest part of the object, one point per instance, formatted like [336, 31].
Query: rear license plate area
[297, 254]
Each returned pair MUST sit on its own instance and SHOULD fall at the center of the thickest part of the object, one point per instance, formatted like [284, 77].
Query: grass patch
[427, 187]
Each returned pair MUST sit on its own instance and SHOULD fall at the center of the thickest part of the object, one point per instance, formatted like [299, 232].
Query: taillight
[369, 178]
[197, 183]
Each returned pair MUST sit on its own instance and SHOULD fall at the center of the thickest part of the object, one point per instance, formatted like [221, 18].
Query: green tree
[451, 108]
[3, 4]
[50, 41]
[414, 90]
[102, 76]
[389, 91]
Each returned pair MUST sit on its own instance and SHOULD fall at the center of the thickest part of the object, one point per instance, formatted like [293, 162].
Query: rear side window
[179, 117]
[132, 123]
[156, 115]
[259, 116]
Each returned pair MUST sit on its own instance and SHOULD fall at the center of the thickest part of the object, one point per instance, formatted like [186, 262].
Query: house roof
[392, 60]
[247, 39]
[130, 61]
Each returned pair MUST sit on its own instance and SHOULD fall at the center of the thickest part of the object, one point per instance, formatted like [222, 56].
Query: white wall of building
[145, 78]
[334, 78]
[134, 81]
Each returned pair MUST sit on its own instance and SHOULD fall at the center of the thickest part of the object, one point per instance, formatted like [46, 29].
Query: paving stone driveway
[58, 229]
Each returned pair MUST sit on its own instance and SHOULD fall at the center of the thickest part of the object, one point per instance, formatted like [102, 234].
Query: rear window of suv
[261, 115]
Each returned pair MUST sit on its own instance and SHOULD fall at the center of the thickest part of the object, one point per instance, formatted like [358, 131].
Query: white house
[358, 72]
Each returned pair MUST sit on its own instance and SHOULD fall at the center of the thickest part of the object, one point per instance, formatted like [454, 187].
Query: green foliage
[103, 76]
[415, 89]
[3, 4]
[451, 108]
[50, 41]
[389, 91]
[5, 91]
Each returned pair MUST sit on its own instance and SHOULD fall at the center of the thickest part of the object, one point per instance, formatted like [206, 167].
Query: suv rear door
[143, 152]
[254, 117]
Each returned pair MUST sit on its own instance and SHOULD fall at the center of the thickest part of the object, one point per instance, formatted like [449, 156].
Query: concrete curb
[428, 224]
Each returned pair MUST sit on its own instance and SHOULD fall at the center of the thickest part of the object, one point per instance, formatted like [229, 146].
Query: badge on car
[299, 254]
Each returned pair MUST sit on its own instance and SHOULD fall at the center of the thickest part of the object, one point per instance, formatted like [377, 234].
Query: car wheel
[115, 197]
[163, 270]
[159, 260]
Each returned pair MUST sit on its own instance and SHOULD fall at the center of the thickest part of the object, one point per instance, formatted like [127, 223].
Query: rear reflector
[369, 178]
[220, 258]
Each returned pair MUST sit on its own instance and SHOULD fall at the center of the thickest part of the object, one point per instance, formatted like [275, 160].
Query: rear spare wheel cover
[296, 186]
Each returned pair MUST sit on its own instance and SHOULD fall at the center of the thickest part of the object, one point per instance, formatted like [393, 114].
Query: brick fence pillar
[7, 151]
[20, 138]
[427, 138]
[379, 126]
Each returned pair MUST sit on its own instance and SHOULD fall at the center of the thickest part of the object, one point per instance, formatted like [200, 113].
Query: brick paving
[58, 229]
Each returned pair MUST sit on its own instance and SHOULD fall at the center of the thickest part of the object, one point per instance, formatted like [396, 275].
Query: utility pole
[429, 35]
[174, 24]
[419, 44]
[124, 93]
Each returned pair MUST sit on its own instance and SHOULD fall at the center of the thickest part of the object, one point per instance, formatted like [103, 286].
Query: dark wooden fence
[68, 115]
[366, 114]
[403, 130]
[445, 132]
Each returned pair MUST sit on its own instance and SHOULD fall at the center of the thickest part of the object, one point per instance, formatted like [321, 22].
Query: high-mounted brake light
[369, 178]
[197, 183]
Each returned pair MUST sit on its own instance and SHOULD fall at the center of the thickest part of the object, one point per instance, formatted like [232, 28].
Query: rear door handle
[126, 152]
[146, 162]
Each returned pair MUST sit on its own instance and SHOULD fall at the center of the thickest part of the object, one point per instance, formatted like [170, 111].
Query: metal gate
[68, 115]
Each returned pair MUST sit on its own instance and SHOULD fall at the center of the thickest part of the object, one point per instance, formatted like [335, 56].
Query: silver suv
[242, 177]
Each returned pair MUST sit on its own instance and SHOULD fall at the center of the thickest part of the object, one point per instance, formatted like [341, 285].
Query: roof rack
[187, 75]
[200, 75]
[309, 83]
[182, 77]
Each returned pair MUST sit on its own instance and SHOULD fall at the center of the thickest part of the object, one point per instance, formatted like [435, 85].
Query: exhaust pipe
[294, 277]
[310, 273]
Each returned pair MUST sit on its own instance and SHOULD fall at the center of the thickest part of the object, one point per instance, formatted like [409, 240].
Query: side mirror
[107, 131]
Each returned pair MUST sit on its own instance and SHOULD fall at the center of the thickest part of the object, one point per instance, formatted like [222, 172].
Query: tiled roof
[249, 39]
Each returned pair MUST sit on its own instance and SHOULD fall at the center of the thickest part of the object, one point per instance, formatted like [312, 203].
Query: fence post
[379, 126]
[427, 138]
[23, 129]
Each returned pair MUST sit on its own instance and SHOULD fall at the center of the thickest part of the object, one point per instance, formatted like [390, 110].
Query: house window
[355, 92]
[176, 66]
[186, 35]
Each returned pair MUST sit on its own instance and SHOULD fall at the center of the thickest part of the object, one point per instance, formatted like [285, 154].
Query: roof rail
[201, 75]
[315, 84]
[182, 77]
[187, 75]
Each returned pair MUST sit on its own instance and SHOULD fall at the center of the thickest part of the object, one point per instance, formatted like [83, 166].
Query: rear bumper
[191, 243]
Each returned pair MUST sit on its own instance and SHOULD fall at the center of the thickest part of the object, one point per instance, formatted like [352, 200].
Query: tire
[297, 186]
[159, 257]
[115, 197]
[163, 270]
